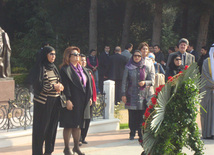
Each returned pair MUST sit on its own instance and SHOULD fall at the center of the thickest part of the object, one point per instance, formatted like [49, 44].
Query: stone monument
[7, 84]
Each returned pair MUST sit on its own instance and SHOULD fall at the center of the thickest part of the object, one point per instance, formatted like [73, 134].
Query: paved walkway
[106, 143]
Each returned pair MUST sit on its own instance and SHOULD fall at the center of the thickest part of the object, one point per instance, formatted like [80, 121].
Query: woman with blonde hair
[77, 89]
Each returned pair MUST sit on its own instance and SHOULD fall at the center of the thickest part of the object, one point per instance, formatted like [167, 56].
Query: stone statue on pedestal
[5, 53]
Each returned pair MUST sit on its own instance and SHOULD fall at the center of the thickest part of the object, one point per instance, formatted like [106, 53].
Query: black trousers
[118, 85]
[135, 121]
[84, 131]
[101, 80]
[45, 120]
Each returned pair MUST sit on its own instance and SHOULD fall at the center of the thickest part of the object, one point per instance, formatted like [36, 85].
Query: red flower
[147, 114]
[158, 89]
[140, 140]
[180, 72]
[154, 100]
[186, 67]
[151, 106]
[143, 124]
[170, 78]
[156, 93]
[161, 86]
[147, 109]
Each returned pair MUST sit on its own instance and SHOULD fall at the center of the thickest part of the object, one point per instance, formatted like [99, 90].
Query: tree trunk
[93, 25]
[157, 23]
[203, 29]
[127, 23]
[185, 19]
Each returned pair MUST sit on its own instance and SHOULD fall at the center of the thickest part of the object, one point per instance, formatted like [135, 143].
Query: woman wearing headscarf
[207, 121]
[137, 78]
[174, 66]
[47, 88]
[77, 83]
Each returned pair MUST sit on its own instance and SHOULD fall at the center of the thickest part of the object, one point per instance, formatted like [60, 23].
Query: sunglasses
[74, 54]
[52, 54]
[177, 59]
[139, 56]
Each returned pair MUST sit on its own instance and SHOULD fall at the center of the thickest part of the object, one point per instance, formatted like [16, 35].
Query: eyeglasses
[52, 54]
[74, 54]
[177, 59]
[139, 56]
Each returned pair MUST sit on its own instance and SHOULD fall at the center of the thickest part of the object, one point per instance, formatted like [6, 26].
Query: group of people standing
[78, 86]
[80, 78]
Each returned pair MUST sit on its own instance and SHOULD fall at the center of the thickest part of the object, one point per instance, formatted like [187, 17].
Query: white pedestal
[109, 88]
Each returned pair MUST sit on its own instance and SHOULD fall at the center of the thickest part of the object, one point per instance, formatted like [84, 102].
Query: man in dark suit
[159, 56]
[117, 64]
[103, 66]
[191, 50]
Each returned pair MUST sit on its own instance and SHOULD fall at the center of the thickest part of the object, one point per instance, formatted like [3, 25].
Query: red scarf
[94, 97]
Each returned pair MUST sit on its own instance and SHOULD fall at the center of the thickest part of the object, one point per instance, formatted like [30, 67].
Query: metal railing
[18, 113]
[98, 110]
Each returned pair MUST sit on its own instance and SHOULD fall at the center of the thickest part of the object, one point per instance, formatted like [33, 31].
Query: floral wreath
[170, 119]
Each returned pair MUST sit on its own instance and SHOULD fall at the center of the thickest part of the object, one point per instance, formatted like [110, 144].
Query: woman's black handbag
[62, 99]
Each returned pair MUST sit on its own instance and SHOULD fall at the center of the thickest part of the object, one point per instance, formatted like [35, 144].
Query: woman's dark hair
[172, 63]
[92, 50]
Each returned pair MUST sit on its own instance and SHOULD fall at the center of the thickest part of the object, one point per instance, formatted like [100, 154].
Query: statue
[5, 52]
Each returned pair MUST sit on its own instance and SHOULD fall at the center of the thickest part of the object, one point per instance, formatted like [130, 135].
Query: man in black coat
[191, 50]
[159, 56]
[117, 64]
[204, 55]
[103, 66]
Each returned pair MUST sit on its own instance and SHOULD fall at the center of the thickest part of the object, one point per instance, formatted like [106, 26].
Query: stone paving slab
[105, 143]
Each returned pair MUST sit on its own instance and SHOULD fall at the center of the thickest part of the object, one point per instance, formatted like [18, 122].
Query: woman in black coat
[78, 93]
[47, 87]
[174, 66]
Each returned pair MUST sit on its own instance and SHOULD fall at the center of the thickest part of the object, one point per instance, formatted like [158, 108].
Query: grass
[124, 126]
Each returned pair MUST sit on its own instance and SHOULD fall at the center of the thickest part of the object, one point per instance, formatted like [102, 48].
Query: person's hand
[69, 105]
[61, 87]
[142, 83]
[57, 87]
[163, 63]
[90, 101]
[105, 77]
[124, 99]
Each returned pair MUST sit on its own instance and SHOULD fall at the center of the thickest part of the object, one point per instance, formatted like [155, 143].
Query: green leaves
[163, 98]
[171, 125]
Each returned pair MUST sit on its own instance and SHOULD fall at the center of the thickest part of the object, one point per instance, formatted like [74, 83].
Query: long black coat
[116, 67]
[103, 64]
[79, 96]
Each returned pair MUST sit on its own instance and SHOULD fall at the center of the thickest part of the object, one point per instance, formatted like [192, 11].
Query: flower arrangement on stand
[170, 119]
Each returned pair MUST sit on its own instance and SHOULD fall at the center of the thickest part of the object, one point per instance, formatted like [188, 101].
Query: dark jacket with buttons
[131, 89]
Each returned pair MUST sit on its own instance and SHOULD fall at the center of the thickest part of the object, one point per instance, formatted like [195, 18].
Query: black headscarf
[38, 70]
[172, 65]
[132, 64]
[44, 60]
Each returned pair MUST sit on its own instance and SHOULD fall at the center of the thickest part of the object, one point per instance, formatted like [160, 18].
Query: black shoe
[80, 143]
[208, 138]
[84, 142]
[78, 151]
[131, 138]
[67, 151]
